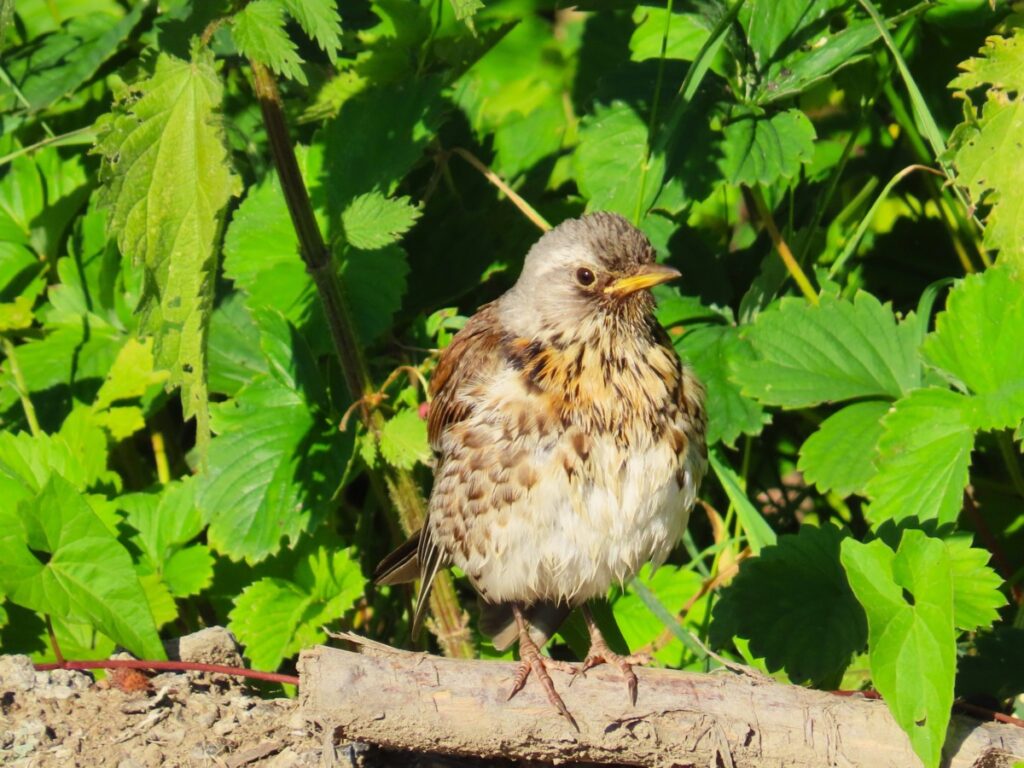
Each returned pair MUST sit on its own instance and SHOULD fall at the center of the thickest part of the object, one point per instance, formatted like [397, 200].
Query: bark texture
[419, 702]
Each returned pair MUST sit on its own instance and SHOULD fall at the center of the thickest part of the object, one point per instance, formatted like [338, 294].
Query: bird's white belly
[570, 538]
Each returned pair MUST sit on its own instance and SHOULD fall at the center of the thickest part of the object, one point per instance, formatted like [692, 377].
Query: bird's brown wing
[475, 352]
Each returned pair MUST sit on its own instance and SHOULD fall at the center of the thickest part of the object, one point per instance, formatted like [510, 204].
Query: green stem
[865, 222]
[401, 487]
[22, 387]
[653, 121]
[1010, 458]
[781, 247]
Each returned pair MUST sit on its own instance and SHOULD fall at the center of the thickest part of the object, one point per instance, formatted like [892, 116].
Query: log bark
[414, 701]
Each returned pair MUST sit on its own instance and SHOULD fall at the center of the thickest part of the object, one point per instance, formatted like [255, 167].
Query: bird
[569, 444]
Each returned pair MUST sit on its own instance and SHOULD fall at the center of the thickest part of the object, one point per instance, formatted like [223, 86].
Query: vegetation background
[199, 428]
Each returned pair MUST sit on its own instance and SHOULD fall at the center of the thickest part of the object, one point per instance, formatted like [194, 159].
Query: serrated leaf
[165, 522]
[27, 461]
[189, 570]
[610, 158]
[259, 34]
[374, 281]
[796, 582]
[276, 458]
[761, 150]
[686, 34]
[923, 457]
[839, 455]
[57, 64]
[839, 350]
[978, 340]
[60, 559]
[372, 221]
[167, 183]
[466, 9]
[273, 465]
[976, 595]
[908, 598]
[131, 375]
[276, 617]
[987, 153]
[403, 440]
[320, 20]
[714, 351]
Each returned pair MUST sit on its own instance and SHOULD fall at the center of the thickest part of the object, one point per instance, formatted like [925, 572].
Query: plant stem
[53, 640]
[780, 244]
[163, 469]
[528, 210]
[387, 481]
[171, 666]
[22, 387]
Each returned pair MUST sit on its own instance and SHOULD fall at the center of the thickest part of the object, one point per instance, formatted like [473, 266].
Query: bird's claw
[601, 654]
[536, 663]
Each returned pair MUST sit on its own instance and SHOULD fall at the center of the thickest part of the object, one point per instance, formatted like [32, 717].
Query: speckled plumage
[569, 437]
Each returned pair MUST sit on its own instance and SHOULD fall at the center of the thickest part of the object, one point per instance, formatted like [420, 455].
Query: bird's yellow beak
[647, 277]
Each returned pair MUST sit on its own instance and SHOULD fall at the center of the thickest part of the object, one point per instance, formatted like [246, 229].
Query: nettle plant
[233, 236]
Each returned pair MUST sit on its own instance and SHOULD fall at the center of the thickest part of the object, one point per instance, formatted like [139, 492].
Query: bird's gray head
[595, 269]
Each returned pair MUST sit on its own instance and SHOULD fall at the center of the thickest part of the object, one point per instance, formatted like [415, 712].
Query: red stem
[187, 666]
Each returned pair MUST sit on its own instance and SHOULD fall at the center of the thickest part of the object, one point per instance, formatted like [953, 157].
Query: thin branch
[387, 481]
[22, 388]
[781, 247]
[171, 666]
[528, 210]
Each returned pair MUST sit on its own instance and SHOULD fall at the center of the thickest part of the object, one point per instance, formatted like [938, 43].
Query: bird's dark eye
[584, 276]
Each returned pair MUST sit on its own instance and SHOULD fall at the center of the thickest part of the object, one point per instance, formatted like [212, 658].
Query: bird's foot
[600, 653]
[531, 660]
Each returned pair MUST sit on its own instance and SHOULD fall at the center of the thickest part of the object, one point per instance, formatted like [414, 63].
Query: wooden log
[418, 702]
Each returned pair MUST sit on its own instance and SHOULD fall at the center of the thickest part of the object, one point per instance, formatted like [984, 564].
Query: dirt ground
[66, 718]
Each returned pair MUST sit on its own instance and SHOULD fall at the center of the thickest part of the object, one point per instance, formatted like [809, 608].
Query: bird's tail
[544, 618]
[417, 558]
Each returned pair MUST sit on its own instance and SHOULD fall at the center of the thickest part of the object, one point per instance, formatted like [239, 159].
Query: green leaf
[466, 9]
[759, 533]
[686, 34]
[276, 617]
[372, 221]
[165, 525]
[640, 626]
[374, 281]
[259, 34]
[60, 559]
[167, 183]
[804, 67]
[57, 64]
[403, 440]
[796, 582]
[986, 153]
[131, 375]
[320, 20]
[976, 595]
[908, 598]
[838, 456]
[610, 158]
[978, 340]
[761, 150]
[276, 458]
[839, 350]
[923, 457]
[714, 351]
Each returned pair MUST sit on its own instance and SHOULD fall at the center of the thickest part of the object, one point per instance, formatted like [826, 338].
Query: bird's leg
[600, 653]
[531, 660]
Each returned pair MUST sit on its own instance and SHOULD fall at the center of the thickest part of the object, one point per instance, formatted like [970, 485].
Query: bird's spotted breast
[576, 465]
